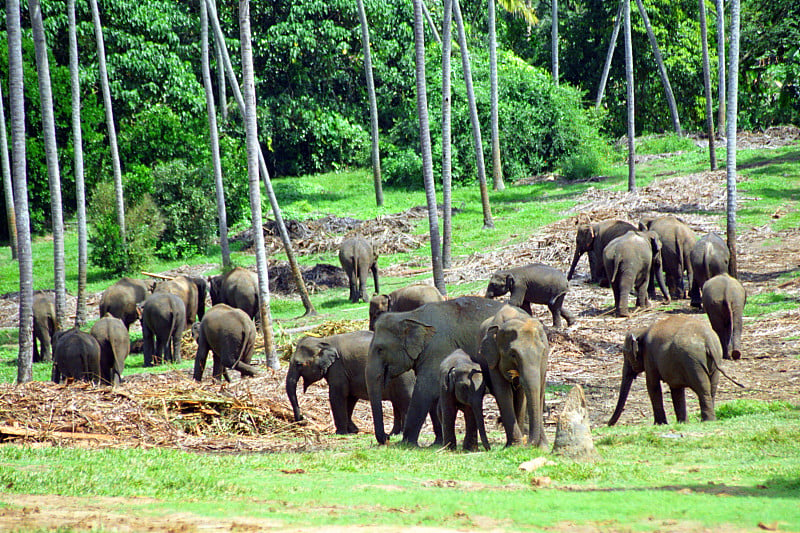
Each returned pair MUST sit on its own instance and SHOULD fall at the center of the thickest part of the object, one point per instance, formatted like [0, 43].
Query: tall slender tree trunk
[262, 165]
[432, 24]
[213, 139]
[733, 96]
[16, 104]
[112, 129]
[721, 63]
[662, 70]
[425, 145]
[601, 90]
[8, 185]
[488, 223]
[447, 152]
[629, 86]
[221, 84]
[80, 186]
[497, 167]
[554, 40]
[712, 152]
[373, 104]
[51, 157]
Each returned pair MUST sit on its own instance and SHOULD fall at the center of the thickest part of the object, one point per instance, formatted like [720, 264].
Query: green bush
[583, 164]
[743, 407]
[402, 168]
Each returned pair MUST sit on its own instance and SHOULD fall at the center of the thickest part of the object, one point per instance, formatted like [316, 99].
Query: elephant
[44, 326]
[682, 351]
[76, 355]
[629, 261]
[592, 238]
[403, 299]
[461, 388]
[341, 359]
[191, 291]
[515, 349]
[536, 283]
[115, 345]
[237, 288]
[357, 257]
[710, 257]
[231, 335]
[419, 340]
[724, 299]
[163, 321]
[121, 299]
[677, 240]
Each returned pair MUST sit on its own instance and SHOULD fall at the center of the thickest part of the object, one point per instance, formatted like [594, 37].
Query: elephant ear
[389, 302]
[327, 356]
[510, 282]
[450, 382]
[633, 352]
[415, 335]
[655, 242]
[488, 348]
[196, 330]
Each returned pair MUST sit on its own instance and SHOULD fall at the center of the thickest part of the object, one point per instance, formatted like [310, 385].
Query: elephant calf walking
[461, 388]
[537, 284]
[724, 299]
[231, 336]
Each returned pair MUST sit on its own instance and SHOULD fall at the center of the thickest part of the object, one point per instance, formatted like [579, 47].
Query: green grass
[769, 302]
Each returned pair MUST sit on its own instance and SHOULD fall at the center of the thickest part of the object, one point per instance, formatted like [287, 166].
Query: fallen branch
[158, 276]
[24, 432]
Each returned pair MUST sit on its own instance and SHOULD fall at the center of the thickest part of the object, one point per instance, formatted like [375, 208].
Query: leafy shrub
[583, 163]
[402, 168]
[736, 408]
[663, 144]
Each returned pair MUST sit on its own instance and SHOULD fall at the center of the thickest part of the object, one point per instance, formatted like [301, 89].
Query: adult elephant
[163, 321]
[461, 388]
[191, 291]
[514, 347]
[403, 299]
[237, 288]
[419, 340]
[231, 335]
[710, 257]
[536, 283]
[76, 355]
[341, 360]
[677, 239]
[358, 258]
[630, 261]
[44, 326]
[724, 299]
[121, 299]
[591, 239]
[115, 345]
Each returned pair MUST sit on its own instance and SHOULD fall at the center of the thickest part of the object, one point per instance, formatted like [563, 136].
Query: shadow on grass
[765, 160]
[772, 488]
[759, 277]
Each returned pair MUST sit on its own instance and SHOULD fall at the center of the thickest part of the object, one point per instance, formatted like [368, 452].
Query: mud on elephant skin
[724, 299]
[677, 240]
[461, 388]
[231, 335]
[630, 261]
[341, 360]
[76, 355]
[237, 288]
[536, 283]
[121, 299]
[710, 257]
[115, 345]
[44, 326]
[591, 239]
[403, 299]
[358, 258]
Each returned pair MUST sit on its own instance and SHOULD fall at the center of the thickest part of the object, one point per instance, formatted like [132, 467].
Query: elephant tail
[714, 362]
[613, 275]
[243, 347]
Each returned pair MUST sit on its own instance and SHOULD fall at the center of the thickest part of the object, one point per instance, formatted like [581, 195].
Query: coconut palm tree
[609, 55]
[222, 86]
[721, 63]
[712, 153]
[373, 104]
[497, 168]
[431, 24]
[447, 152]
[8, 186]
[554, 39]
[626, 10]
[730, 167]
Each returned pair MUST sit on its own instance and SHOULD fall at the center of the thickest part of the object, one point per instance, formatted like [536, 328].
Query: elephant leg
[337, 397]
[149, 347]
[422, 401]
[471, 435]
[447, 414]
[437, 424]
[656, 398]
[176, 347]
[160, 353]
[351, 405]
[217, 369]
[679, 402]
[694, 293]
[556, 310]
[245, 369]
[623, 291]
[504, 395]
[399, 419]
[641, 296]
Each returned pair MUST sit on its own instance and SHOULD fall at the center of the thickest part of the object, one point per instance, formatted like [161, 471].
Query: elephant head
[632, 366]
[584, 241]
[469, 387]
[378, 305]
[311, 360]
[501, 282]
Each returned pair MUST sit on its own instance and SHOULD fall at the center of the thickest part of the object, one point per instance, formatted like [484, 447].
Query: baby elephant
[231, 335]
[115, 345]
[358, 258]
[630, 260]
[75, 355]
[536, 283]
[724, 299]
[461, 388]
[710, 257]
[404, 299]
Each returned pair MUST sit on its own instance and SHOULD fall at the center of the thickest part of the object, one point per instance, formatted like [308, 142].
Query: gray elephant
[461, 388]
[358, 257]
[677, 240]
[682, 351]
[592, 238]
[536, 283]
[341, 360]
[237, 288]
[629, 261]
[76, 355]
[44, 326]
[403, 299]
[515, 349]
[419, 340]
[163, 321]
[710, 257]
[724, 299]
[115, 345]
[231, 335]
[121, 299]
[191, 291]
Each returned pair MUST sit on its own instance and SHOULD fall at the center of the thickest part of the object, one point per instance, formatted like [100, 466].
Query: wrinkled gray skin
[677, 240]
[231, 335]
[461, 388]
[592, 240]
[115, 345]
[121, 299]
[404, 299]
[538, 284]
[163, 321]
[724, 299]
[358, 258]
[682, 351]
[419, 340]
[341, 360]
[76, 355]
[44, 326]
[514, 348]
[191, 291]
[238, 288]
[710, 257]
[629, 261]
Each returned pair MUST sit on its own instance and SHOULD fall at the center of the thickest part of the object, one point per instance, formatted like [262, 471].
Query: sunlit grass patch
[743, 407]
[769, 302]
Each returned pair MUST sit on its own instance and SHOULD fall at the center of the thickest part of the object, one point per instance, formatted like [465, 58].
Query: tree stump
[573, 435]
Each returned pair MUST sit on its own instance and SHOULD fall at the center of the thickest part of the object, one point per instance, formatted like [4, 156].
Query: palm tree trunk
[488, 223]
[80, 187]
[425, 145]
[8, 185]
[554, 40]
[601, 90]
[213, 139]
[373, 104]
[721, 63]
[447, 152]
[497, 167]
[430, 22]
[629, 85]
[51, 156]
[712, 152]
[733, 95]
[221, 84]
[16, 104]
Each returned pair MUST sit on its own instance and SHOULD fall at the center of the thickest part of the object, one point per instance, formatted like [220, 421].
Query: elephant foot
[697, 303]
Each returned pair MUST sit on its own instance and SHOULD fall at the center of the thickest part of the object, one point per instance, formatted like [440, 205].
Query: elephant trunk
[477, 411]
[628, 375]
[376, 382]
[532, 382]
[658, 272]
[574, 264]
[291, 391]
